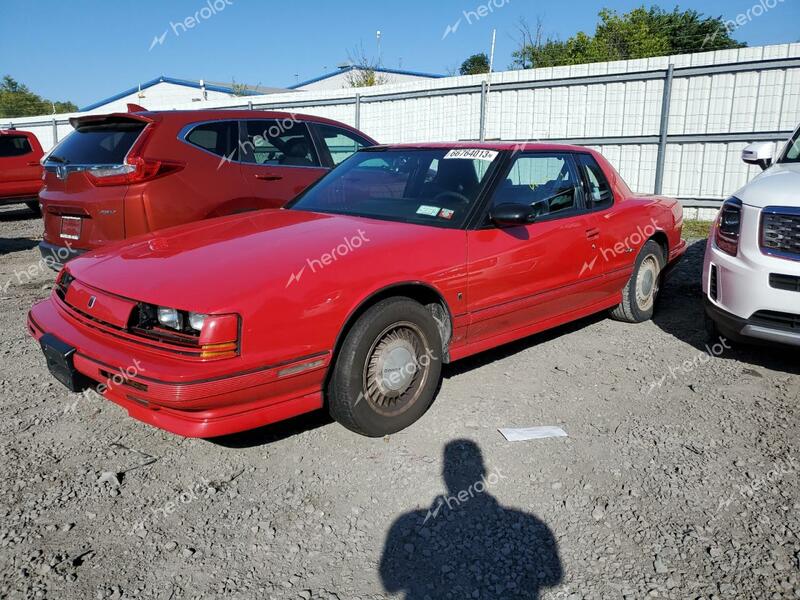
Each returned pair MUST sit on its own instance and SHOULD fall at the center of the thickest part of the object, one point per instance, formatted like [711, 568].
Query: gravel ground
[678, 478]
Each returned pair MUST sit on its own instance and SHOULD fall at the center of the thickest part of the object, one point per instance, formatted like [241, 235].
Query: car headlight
[729, 226]
[196, 321]
[169, 317]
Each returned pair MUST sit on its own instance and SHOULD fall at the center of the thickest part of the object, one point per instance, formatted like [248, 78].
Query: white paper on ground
[532, 433]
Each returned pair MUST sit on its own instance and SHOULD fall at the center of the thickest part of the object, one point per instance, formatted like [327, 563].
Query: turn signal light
[227, 350]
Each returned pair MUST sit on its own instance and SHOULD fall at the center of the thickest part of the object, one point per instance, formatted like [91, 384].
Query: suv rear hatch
[87, 176]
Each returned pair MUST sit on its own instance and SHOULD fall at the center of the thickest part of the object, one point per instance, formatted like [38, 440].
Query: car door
[279, 160]
[612, 239]
[526, 274]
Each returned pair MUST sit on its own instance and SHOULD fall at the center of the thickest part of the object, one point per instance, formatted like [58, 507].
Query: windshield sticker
[430, 211]
[473, 154]
[446, 213]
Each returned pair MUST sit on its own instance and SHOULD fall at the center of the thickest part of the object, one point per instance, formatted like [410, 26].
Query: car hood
[777, 186]
[224, 263]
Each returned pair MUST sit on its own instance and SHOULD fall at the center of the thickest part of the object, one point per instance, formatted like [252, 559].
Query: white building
[164, 93]
[341, 78]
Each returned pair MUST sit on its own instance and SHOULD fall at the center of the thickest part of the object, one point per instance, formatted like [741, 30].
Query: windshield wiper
[57, 159]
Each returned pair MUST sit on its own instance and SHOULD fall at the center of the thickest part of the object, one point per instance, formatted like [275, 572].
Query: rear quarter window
[219, 137]
[99, 144]
[14, 145]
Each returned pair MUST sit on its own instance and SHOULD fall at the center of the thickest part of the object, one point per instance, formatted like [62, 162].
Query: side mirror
[759, 154]
[512, 215]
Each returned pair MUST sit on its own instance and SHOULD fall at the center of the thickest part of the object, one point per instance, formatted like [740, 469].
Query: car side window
[14, 145]
[285, 143]
[547, 182]
[218, 137]
[341, 143]
[600, 194]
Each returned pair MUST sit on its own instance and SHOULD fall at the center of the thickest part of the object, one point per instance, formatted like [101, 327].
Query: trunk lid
[76, 212]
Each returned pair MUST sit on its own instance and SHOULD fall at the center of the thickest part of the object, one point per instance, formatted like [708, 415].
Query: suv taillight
[729, 226]
[136, 167]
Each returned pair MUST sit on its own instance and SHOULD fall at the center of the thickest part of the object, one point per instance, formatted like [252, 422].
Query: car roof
[224, 113]
[499, 146]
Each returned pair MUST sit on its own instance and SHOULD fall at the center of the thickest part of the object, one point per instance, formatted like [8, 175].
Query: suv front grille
[780, 232]
[777, 320]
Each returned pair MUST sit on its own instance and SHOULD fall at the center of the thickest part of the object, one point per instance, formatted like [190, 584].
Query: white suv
[751, 275]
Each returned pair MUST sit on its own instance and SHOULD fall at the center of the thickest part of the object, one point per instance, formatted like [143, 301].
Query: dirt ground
[679, 477]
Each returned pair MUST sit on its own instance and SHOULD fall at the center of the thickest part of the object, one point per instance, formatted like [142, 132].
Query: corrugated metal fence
[674, 125]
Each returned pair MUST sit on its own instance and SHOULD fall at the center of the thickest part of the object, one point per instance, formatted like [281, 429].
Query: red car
[20, 171]
[353, 295]
[121, 175]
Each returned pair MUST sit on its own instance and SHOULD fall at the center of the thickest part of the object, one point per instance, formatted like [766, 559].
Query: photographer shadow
[467, 545]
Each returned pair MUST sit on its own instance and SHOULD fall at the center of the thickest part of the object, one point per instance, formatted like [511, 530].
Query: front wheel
[640, 293]
[387, 371]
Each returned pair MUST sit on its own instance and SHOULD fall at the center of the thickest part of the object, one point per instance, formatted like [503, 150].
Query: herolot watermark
[624, 246]
[455, 501]
[211, 8]
[473, 16]
[742, 19]
[690, 365]
[245, 147]
[198, 490]
[58, 256]
[348, 245]
[391, 378]
[120, 377]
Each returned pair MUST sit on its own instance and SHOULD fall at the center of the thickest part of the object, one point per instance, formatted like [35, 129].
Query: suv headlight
[729, 226]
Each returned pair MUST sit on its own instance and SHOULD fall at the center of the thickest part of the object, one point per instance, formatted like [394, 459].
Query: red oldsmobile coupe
[353, 295]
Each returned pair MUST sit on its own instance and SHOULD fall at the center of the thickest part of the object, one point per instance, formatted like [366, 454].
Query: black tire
[641, 292]
[34, 206]
[387, 371]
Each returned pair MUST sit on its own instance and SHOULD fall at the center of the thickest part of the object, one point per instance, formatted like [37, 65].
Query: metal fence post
[358, 111]
[664, 131]
[55, 132]
[484, 99]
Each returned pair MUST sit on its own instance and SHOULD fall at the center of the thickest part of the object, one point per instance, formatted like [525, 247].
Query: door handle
[269, 177]
[593, 233]
[34, 163]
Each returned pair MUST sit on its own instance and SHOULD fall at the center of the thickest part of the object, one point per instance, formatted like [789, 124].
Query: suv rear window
[104, 143]
[14, 145]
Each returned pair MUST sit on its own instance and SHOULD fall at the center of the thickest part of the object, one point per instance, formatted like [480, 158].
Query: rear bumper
[56, 257]
[741, 329]
[192, 400]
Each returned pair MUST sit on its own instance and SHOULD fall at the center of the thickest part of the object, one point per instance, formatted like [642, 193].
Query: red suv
[125, 174]
[20, 171]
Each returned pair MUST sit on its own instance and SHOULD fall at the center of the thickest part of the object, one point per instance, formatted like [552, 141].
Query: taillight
[729, 226]
[136, 167]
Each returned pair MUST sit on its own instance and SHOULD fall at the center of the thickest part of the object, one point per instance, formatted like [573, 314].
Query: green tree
[16, 100]
[640, 33]
[475, 65]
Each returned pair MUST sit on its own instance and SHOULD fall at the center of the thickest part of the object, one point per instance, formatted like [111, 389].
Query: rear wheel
[34, 206]
[387, 371]
[641, 292]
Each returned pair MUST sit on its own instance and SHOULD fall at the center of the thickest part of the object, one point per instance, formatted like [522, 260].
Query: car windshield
[793, 151]
[428, 186]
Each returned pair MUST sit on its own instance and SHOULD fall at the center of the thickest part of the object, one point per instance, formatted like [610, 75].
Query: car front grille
[777, 320]
[780, 232]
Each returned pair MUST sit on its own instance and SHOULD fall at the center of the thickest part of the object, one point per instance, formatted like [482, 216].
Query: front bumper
[187, 398]
[56, 257]
[742, 329]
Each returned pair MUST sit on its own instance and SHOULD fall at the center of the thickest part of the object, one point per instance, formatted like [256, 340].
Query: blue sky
[86, 50]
